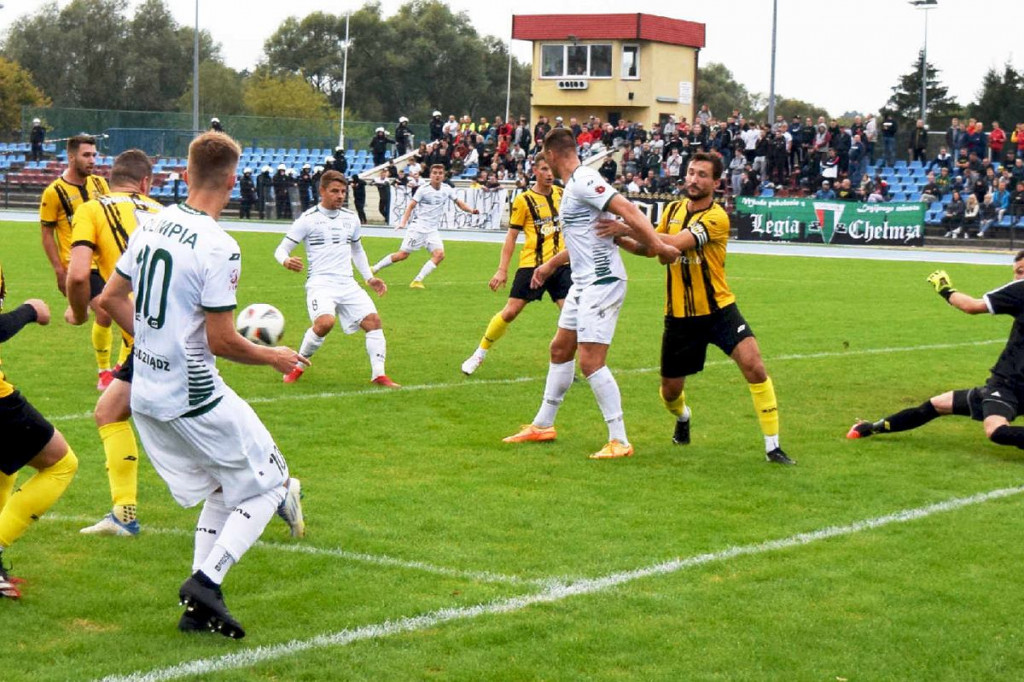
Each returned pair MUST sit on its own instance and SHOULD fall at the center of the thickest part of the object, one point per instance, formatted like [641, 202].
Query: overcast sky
[843, 55]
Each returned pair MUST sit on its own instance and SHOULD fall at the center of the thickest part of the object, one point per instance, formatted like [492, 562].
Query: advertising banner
[813, 221]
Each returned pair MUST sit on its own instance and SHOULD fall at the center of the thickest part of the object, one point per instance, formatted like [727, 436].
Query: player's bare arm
[641, 229]
[463, 206]
[958, 299]
[116, 300]
[405, 216]
[501, 275]
[53, 254]
[225, 342]
[77, 289]
[542, 272]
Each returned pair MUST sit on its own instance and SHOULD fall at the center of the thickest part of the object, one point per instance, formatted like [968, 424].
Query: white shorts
[227, 447]
[422, 239]
[350, 303]
[593, 311]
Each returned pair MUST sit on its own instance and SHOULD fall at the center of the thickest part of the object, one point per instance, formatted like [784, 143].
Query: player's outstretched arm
[225, 342]
[405, 216]
[466, 207]
[32, 310]
[943, 285]
[641, 229]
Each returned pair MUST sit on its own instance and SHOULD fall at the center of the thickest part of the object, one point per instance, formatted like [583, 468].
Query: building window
[630, 61]
[552, 61]
[588, 61]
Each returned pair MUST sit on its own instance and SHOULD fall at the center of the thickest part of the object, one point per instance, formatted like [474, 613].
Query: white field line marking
[520, 380]
[376, 559]
[206, 666]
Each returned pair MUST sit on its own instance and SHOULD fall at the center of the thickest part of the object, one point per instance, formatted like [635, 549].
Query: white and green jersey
[328, 237]
[428, 214]
[593, 258]
[181, 264]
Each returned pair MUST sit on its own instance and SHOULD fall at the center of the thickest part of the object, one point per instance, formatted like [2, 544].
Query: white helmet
[379, 130]
[329, 160]
[436, 112]
[401, 119]
[318, 169]
[36, 121]
[247, 171]
[305, 165]
[281, 167]
[265, 169]
[214, 120]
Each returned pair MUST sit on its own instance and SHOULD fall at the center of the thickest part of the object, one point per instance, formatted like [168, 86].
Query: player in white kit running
[429, 202]
[330, 235]
[591, 310]
[174, 289]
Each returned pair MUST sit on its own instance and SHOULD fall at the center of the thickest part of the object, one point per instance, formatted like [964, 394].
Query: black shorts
[684, 345]
[26, 432]
[557, 285]
[124, 372]
[996, 399]
[96, 284]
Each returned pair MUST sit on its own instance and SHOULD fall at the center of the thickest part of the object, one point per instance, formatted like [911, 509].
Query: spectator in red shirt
[996, 140]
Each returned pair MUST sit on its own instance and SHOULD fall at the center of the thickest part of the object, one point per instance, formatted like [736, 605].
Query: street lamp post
[195, 74]
[924, 5]
[344, 84]
[771, 91]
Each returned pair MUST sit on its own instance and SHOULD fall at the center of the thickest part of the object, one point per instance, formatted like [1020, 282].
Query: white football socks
[558, 382]
[211, 521]
[241, 531]
[377, 349]
[382, 263]
[606, 390]
[310, 344]
[427, 268]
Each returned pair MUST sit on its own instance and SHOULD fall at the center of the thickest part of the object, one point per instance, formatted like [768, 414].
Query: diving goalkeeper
[996, 403]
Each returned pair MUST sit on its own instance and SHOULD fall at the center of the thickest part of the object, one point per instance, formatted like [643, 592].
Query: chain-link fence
[167, 133]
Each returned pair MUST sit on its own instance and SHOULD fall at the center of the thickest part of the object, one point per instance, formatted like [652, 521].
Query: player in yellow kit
[534, 215]
[61, 198]
[100, 232]
[700, 309]
[28, 440]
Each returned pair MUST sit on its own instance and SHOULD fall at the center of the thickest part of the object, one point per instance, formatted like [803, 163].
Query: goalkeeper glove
[943, 287]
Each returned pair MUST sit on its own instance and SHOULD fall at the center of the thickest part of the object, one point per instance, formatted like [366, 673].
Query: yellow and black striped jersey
[105, 223]
[58, 204]
[696, 281]
[537, 216]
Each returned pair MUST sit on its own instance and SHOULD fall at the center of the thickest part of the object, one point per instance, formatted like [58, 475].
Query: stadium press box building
[639, 67]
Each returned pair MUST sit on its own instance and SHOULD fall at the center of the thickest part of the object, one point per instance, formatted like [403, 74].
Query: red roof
[607, 27]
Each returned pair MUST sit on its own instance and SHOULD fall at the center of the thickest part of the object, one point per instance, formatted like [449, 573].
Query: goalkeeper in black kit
[1001, 399]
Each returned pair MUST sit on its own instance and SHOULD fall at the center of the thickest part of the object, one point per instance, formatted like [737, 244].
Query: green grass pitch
[429, 540]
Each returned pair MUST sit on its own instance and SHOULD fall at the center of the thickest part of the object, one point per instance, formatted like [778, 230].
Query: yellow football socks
[676, 406]
[102, 340]
[122, 467]
[6, 487]
[32, 499]
[766, 406]
[496, 329]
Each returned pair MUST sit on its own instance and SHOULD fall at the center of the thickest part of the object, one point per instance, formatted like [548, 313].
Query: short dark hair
[1019, 256]
[76, 141]
[330, 176]
[710, 157]
[559, 141]
[131, 167]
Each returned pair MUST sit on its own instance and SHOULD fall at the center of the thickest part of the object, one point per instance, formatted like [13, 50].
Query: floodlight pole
[508, 85]
[925, 5]
[344, 85]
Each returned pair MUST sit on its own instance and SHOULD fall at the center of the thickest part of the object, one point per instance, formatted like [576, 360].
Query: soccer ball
[261, 323]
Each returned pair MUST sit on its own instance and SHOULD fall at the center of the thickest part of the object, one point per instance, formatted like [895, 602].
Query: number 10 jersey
[181, 265]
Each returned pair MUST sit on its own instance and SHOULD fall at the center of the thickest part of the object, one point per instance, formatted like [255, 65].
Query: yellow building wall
[662, 67]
